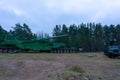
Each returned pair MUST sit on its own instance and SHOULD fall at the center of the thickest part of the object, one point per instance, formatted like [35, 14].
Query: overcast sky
[43, 15]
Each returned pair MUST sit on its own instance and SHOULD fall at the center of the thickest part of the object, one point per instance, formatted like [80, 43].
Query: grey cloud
[43, 15]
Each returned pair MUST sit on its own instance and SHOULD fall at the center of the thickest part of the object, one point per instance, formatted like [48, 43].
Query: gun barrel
[50, 37]
[60, 36]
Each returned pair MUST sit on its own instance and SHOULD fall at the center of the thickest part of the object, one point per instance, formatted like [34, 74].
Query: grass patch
[76, 68]
[27, 56]
[68, 75]
[74, 72]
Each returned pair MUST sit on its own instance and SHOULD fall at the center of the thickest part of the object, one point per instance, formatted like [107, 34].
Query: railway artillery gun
[39, 45]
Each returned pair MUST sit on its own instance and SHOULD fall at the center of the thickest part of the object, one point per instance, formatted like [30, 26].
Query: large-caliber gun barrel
[50, 37]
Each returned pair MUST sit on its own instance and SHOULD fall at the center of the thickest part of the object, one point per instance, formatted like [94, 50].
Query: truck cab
[113, 51]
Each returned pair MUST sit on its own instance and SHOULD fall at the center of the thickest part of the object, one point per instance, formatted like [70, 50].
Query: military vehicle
[35, 45]
[113, 50]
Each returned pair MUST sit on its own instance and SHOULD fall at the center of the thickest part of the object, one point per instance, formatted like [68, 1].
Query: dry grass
[78, 66]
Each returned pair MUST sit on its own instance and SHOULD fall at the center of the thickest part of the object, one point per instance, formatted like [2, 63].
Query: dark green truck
[112, 51]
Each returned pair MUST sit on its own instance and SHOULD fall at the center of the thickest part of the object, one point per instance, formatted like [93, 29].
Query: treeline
[20, 32]
[90, 36]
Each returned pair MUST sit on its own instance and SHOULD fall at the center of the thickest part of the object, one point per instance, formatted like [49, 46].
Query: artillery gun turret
[36, 45]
